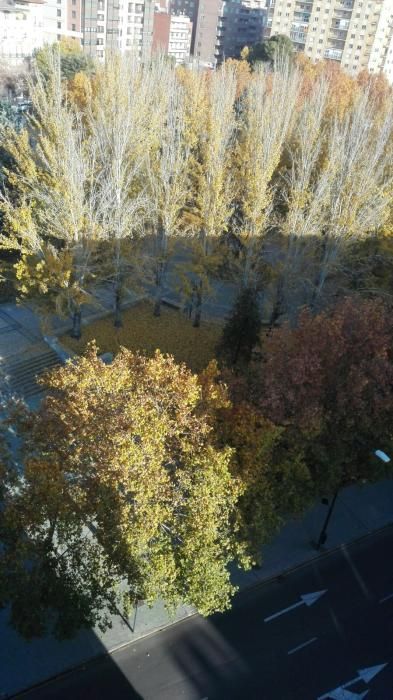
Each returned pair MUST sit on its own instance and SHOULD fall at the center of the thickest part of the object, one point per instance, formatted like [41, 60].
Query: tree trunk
[198, 306]
[118, 320]
[235, 355]
[159, 288]
[76, 331]
[278, 305]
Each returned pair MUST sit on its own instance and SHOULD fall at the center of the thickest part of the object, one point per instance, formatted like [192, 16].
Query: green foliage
[7, 115]
[269, 50]
[241, 332]
[72, 59]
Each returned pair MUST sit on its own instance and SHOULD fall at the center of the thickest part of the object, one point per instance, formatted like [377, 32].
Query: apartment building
[189, 8]
[117, 25]
[21, 29]
[224, 27]
[172, 32]
[358, 34]
[27, 25]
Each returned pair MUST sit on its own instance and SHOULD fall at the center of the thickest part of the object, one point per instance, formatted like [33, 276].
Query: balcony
[338, 35]
[333, 54]
[342, 24]
[302, 17]
[300, 37]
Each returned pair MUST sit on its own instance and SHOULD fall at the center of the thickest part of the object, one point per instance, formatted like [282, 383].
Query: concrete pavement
[359, 510]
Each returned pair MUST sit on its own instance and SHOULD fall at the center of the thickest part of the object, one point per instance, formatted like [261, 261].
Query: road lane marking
[364, 674]
[306, 599]
[387, 597]
[301, 646]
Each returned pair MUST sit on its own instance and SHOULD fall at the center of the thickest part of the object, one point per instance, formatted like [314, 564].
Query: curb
[245, 590]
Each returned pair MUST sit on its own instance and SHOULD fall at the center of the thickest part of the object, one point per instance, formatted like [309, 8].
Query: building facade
[224, 27]
[358, 34]
[27, 25]
[172, 33]
[117, 25]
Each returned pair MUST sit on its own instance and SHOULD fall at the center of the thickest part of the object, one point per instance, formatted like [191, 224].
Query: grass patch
[172, 333]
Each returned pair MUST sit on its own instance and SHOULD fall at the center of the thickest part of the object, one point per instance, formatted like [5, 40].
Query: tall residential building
[224, 27]
[172, 33]
[117, 24]
[189, 8]
[358, 34]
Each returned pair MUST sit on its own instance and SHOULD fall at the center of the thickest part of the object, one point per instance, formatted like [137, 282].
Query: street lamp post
[323, 534]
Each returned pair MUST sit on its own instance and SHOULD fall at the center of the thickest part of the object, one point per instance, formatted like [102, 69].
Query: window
[100, 41]
[59, 25]
[73, 14]
[73, 27]
[100, 29]
[59, 13]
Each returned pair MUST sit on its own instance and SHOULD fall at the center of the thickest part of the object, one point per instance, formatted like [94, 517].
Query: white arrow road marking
[364, 674]
[367, 674]
[301, 646]
[387, 597]
[306, 599]
[341, 694]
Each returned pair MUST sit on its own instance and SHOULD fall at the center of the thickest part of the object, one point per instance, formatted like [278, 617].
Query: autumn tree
[118, 120]
[72, 59]
[357, 166]
[265, 119]
[168, 175]
[303, 195]
[275, 481]
[124, 497]
[328, 381]
[215, 193]
[53, 217]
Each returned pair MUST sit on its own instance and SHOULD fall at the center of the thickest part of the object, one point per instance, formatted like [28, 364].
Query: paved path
[321, 630]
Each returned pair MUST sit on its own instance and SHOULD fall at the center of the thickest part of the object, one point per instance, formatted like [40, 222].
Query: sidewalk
[359, 511]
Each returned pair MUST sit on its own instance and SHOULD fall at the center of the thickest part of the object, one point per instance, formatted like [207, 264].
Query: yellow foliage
[80, 90]
[172, 333]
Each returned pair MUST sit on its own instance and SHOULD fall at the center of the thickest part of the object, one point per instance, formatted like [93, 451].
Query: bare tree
[266, 119]
[304, 189]
[119, 123]
[357, 164]
[168, 179]
[215, 193]
[56, 217]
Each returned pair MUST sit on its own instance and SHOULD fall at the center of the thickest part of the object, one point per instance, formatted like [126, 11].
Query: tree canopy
[329, 381]
[269, 50]
[124, 497]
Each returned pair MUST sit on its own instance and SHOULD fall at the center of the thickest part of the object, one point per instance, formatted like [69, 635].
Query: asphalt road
[343, 638]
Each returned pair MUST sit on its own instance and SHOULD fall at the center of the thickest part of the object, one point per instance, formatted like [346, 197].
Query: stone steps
[22, 371]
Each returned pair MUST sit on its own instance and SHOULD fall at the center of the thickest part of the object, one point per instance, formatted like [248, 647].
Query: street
[323, 631]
